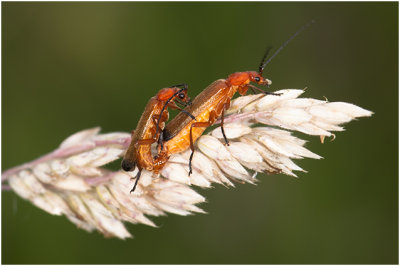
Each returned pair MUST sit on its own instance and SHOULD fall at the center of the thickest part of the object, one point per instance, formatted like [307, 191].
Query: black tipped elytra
[127, 165]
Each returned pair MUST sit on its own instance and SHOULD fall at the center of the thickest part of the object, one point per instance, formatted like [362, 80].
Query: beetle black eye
[257, 79]
[181, 95]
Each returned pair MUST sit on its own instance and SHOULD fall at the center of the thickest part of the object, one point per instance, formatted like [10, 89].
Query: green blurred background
[71, 66]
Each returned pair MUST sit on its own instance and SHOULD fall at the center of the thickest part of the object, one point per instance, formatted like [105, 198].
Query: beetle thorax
[239, 78]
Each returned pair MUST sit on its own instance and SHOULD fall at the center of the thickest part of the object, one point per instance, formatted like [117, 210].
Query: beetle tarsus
[137, 180]
[190, 163]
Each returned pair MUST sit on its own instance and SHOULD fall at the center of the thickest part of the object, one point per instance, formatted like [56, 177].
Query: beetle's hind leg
[137, 177]
[226, 106]
[211, 120]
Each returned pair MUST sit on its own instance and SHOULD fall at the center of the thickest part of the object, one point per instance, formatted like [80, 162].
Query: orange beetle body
[182, 131]
[146, 133]
[207, 106]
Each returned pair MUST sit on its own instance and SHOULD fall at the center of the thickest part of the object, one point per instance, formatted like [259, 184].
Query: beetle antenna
[262, 66]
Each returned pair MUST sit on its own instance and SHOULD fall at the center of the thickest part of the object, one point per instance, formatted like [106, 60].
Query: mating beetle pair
[187, 126]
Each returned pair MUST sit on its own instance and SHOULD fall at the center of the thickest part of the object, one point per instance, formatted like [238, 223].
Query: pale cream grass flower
[71, 180]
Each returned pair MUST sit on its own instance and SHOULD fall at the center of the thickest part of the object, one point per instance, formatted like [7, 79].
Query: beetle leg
[187, 113]
[243, 89]
[157, 136]
[157, 123]
[159, 161]
[158, 129]
[145, 142]
[173, 105]
[154, 139]
[226, 106]
[263, 91]
[137, 180]
[211, 121]
[160, 143]
[253, 90]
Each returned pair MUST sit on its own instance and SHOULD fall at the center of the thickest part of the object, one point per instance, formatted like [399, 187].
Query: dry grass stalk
[71, 180]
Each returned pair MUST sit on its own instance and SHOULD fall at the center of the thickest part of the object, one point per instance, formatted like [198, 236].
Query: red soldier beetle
[149, 128]
[182, 131]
